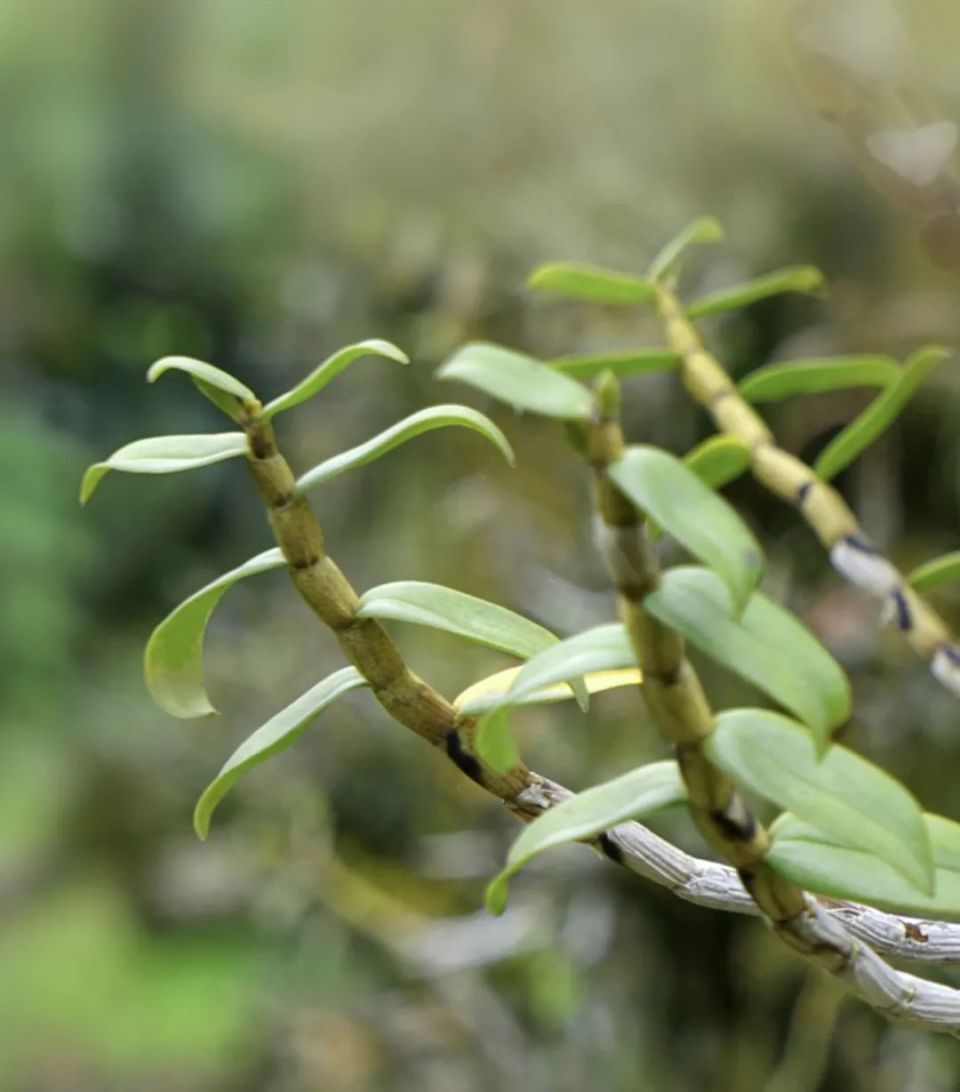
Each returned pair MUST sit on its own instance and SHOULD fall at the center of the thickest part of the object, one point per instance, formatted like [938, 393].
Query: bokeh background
[256, 184]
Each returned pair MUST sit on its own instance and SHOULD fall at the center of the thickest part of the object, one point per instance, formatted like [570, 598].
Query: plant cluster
[851, 850]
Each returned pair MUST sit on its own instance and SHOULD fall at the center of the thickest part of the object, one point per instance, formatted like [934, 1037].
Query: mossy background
[256, 184]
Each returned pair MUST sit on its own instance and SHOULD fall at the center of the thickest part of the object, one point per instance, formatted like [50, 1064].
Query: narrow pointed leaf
[703, 523]
[941, 570]
[805, 279]
[600, 649]
[839, 792]
[416, 424]
[879, 415]
[165, 455]
[824, 864]
[173, 659]
[456, 612]
[766, 645]
[330, 369]
[590, 282]
[274, 736]
[776, 382]
[494, 742]
[633, 795]
[622, 362]
[223, 390]
[519, 380]
[489, 693]
[705, 229]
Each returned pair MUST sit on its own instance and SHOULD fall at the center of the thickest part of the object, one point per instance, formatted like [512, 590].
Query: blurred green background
[256, 184]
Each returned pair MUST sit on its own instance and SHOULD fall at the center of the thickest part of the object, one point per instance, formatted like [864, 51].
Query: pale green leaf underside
[775, 382]
[330, 369]
[276, 735]
[173, 659]
[824, 864]
[494, 742]
[797, 278]
[766, 645]
[165, 455]
[633, 795]
[839, 792]
[456, 612]
[425, 420]
[879, 415]
[519, 380]
[718, 460]
[941, 570]
[489, 693]
[225, 391]
[622, 362]
[705, 229]
[702, 522]
[590, 282]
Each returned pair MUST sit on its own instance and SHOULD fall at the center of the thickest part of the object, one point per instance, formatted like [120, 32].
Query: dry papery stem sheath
[835, 937]
[679, 709]
[851, 552]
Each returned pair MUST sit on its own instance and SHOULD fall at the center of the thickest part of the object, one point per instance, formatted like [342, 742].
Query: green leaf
[705, 229]
[622, 362]
[274, 736]
[165, 455]
[633, 795]
[879, 415]
[804, 279]
[766, 645]
[590, 282]
[425, 420]
[494, 742]
[456, 612]
[824, 864]
[330, 369]
[718, 460]
[776, 382]
[940, 570]
[519, 380]
[223, 390]
[683, 506]
[600, 649]
[173, 659]
[839, 792]
[489, 693]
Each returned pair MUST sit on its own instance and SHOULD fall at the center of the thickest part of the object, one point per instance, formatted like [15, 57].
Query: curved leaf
[824, 864]
[330, 369]
[839, 792]
[775, 382]
[488, 693]
[494, 742]
[766, 645]
[519, 380]
[425, 420]
[173, 659]
[940, 570]
[276, 735]
[224, 391]
[805, 279]
[633, 795]
[590, 282]
[165, 455]
[621, 362]
[718, 460]
[703, 523]
[456, 612]
[879, 415]
[600, 649]
[705, 229]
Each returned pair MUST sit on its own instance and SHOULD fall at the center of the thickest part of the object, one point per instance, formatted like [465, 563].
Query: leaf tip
[495, 896]
[90, 481]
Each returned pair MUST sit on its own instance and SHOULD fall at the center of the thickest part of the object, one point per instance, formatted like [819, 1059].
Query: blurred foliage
[256, 185]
